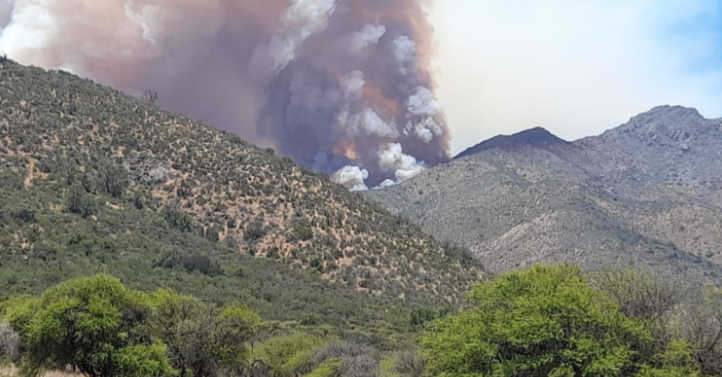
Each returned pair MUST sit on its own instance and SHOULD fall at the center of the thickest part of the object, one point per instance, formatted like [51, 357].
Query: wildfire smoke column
[343, 86]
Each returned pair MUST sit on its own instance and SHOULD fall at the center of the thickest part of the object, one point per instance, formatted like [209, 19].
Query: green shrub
[545, 321]
[202, 341]
[81, 203]
[255, 231]
[191, 263]
[94, 325]
[178, 219]
[290, 356]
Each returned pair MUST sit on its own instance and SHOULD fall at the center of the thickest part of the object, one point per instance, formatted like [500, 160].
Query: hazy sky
[575, 67]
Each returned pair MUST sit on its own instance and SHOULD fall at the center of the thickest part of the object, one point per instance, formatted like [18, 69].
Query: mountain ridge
[643, 194]
[537, 137]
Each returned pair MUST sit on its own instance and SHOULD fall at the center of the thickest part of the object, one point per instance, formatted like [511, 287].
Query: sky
[574, 67]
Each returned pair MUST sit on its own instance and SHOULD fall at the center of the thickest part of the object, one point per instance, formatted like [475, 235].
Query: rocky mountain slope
[646, 194]
[92, 179]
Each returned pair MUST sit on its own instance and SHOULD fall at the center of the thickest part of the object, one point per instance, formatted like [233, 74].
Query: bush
[100, 328]
[178, 219]
[289, 356]
[701, 324]
[409, 363]
[339, 350]
[357, 360]
[639, 294]
[547, 321]
[360, 366]
[113, 180]
[25, 215]
[317, 265]
[329, 368]
[80, 203]
[254, 232]
[461, 254]
[202, 341]
[93, 325]
[671, 310]
[191, 263]
[420, 317]
[300, 231]
[310, 320]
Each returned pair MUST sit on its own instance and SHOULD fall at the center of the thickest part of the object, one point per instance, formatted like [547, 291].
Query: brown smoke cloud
[338, 85]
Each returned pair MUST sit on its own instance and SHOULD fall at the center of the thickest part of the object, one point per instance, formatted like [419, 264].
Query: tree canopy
[99, 327]
[548, 321]
[94, 325]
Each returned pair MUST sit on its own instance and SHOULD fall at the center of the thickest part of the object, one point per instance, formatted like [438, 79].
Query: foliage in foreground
[550, 321]
[99, 327]
[544, 321]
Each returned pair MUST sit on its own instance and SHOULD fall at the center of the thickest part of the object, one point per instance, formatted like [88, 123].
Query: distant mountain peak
[537, 137]
[677, 111]
[677, 123]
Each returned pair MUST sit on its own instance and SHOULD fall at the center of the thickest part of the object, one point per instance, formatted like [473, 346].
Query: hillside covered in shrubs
[95, 181]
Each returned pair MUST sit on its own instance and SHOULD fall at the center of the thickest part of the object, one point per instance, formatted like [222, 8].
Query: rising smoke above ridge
[343, 86]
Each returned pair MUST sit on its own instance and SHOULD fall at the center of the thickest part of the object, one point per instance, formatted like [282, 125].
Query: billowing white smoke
[352, 176]
[303, 19]
[369, 35]
[425, 105]
[404, 167]
[424, 115]
[405, 51]
[339, 85]
[27, 27]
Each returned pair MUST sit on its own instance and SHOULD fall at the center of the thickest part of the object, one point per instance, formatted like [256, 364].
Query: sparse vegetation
[628, 197]
[96, 181]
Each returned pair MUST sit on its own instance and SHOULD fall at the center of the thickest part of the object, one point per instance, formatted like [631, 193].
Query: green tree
[422, 316]
[290, 356]
[94, 325]
[547, 321]
[670, 309]
[202, 340]
[700, 321]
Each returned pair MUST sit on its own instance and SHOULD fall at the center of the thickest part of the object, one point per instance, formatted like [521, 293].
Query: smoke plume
[342, 86]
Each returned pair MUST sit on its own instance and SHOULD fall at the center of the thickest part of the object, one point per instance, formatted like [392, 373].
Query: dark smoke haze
[339, 85]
